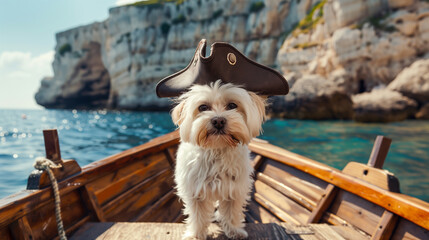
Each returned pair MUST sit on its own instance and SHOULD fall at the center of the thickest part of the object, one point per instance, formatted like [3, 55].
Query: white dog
[216, 124]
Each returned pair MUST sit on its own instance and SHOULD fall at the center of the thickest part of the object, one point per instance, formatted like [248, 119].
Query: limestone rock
[400, 3]
[405, 22]
[139, 45]
[423, 113]
[413, 81]
[340, 13]
[86, 86]
[313, 97]
[382, 105]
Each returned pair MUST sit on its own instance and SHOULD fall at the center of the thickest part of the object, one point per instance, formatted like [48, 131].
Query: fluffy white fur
[213, 165]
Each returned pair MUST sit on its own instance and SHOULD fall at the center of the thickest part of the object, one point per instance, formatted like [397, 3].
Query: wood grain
[281, 206]
[378, 177]
[407, 230]
[323, 205]
[356, 211]
[407, 207]
[306, 185]
[142, 196]
[259, 214]
[287, 191]
[21, 229]
[131, 231]
[385, 226]
[379, 152]
[90, 200]
[118, 182]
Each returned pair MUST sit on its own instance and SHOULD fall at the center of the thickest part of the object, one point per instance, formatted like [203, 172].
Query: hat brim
[227, 64]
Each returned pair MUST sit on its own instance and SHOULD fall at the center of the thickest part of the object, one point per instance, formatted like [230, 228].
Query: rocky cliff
[336, 54]
[367, 57]
[116, 63]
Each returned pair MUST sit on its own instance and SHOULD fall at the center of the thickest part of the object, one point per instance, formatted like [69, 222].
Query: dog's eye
[231, 106]
[203, 108]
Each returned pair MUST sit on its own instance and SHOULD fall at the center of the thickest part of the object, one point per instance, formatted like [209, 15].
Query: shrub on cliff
[257, 6]
[217, 13]
[312, 19]
[165, 28]
[65, 48]
[179, 19]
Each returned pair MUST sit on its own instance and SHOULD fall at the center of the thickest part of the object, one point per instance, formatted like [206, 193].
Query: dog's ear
[176, 114]
[259, 103]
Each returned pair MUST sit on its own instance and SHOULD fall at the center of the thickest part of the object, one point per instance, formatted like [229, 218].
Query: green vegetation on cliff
[257, 6]
[311, 20]
[65, 48]
[154, 3]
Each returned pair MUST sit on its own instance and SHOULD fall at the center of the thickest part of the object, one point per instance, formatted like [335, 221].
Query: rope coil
[45, 164]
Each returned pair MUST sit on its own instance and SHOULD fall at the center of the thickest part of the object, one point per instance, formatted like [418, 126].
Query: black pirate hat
[229, 65]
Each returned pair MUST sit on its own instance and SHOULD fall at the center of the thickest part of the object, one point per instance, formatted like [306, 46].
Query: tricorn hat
[225, 63]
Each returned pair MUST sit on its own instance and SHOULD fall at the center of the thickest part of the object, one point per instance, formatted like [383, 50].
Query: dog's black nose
[218, 122]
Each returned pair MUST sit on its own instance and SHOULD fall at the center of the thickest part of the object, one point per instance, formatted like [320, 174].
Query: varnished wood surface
[413, 209]
[165, 231]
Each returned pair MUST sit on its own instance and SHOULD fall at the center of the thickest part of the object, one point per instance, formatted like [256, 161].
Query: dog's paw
[236, 233]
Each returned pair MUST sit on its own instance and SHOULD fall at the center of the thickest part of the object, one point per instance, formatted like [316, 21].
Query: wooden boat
[294, 197]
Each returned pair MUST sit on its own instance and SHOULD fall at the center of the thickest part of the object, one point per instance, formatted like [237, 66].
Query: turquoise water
[88, 136]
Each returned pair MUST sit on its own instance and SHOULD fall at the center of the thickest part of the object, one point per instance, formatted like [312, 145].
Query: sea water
[89, 136]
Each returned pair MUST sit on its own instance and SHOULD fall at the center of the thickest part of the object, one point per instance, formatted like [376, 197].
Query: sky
[27, 42]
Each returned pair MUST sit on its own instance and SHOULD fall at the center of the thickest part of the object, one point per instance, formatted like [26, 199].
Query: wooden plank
[43, 222]
[407, 230]
[128, 177]
[409, 208]
[385, 226]
[166, 205]
[167, 213]
[379, 152]
[323, 231]
[356, 211]
[21, 229]
[274, 209]
[107, 178]
[12, 209]
[257, 162]
[52, 145]
[287, 191]
[378, 177]
[334, 220]
[349, 233]
[90, 200]
[131, 231]
[134, 201]
[6, 234]
[305, 184]
[325, 202]
[75, 226]
[259, 214]
[179, 219]
[170, 157]
[280, 205]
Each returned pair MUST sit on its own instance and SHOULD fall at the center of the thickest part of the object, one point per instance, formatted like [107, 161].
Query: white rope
[43, 163]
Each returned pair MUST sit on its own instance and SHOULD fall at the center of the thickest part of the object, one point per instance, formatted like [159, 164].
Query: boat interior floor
[140, 230]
